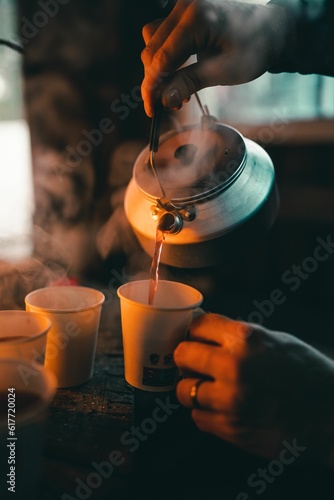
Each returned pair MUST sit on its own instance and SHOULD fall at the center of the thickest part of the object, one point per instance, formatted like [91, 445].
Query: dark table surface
[105, 440]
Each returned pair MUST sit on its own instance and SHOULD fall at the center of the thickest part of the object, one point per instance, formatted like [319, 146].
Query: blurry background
[61, 213]
[16, 192]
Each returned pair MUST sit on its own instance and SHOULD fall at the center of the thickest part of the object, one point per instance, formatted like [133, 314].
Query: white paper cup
[24, 397]
[75, 313]
[151, 332]
[23, 335]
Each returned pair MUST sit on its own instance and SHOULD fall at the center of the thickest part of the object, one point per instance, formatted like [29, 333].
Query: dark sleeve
[312, 45]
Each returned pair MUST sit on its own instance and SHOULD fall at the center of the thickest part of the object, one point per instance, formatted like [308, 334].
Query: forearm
[310, 42]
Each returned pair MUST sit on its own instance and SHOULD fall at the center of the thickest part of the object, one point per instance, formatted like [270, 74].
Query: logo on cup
[168, 359]
[154, 359]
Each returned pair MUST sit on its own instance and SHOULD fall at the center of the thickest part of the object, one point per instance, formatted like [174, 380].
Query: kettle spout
[170, 222]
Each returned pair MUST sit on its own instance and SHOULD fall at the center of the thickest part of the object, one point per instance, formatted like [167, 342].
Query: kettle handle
[155, 128]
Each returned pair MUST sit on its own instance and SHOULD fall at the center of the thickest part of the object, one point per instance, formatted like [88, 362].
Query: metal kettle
[210, 190]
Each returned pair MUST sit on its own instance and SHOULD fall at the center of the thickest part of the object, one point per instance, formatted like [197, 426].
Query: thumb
[190, 79]
[180, 87]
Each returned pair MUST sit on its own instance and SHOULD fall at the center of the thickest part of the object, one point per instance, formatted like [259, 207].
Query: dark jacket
[311, 48]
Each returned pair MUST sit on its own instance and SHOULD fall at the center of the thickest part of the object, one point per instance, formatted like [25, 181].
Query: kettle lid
[192, 163]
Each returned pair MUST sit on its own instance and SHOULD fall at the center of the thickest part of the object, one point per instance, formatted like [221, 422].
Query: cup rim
[63, 310]
[160, 308]
[19, 312]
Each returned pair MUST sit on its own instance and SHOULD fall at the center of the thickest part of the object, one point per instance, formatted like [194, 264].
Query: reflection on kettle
[209, 189]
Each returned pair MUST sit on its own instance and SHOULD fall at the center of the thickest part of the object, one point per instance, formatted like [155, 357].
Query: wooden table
[106, 441]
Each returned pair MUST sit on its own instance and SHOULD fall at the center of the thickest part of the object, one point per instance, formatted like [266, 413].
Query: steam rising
[47, 265]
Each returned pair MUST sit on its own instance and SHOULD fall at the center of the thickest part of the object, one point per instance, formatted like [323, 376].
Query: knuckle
[145, 55]
[161, 58]
[207, 358]
[226, 367]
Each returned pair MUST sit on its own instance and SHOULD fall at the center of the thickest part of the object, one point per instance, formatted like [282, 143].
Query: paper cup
[75, 313]
[24, 397]
[23, 335]
[151, 332]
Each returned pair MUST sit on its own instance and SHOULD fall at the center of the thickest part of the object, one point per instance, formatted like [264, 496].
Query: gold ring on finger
[193, 394]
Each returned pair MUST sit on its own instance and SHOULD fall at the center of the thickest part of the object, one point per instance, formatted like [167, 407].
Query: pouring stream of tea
[154, 271]
[165, 224]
